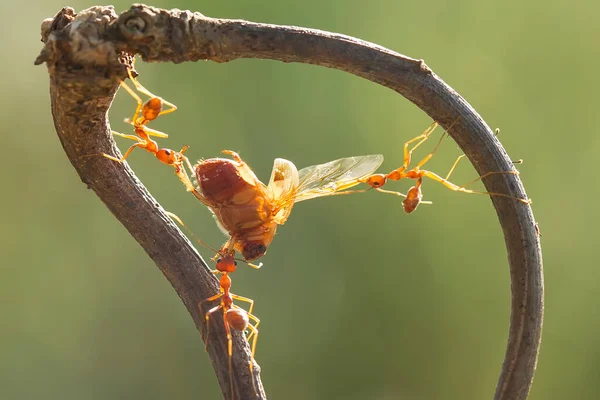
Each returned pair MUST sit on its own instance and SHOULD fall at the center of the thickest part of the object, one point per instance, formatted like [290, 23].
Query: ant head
[376, 180]
[167, 156]
[226, 263]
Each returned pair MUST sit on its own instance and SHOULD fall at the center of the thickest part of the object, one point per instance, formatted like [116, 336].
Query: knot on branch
[79, 40]
[167, 35]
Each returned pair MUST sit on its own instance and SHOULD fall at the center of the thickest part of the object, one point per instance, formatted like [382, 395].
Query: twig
[83, 66]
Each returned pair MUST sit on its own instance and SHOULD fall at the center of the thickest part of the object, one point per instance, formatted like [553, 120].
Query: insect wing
[283, 186]
[334, 176]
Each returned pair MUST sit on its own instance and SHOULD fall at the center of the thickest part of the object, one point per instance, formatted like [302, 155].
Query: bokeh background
[357, 299]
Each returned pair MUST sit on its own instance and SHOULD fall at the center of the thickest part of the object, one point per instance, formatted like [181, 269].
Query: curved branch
[84, 71]
[178, 36]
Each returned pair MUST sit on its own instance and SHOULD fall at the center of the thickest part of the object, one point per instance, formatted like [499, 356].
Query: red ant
[144, 113]
[414, 195]
[234, 317]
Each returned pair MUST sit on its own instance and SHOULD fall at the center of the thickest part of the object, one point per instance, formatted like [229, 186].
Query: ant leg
[488, 174]
[254, 337]
[423, 136]
[140, 88]
[481, 177]
[127, 153]
[236, 157]
[154, 132]
[456, 188]
[420, 139]
[132, 137]
[188, 164]
[212, 298]
[391, 192]
[180, 222]
[344, 192]
[401, 195]
[454, 166]
[255, 266]
[244, 299]
[174, 217]
[183, 175]
[398, 173]
[243, 167]
[230, 354]
[233, 154]
[428, 156]
[137, 98]
[252, 333]
[185, 179]
[207, 318]
[376, 181]
[149, 131]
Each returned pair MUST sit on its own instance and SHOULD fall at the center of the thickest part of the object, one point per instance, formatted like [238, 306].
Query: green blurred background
[357, 299]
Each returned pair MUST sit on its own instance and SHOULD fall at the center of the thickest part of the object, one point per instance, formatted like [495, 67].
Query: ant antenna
[180, 222]
[520, 160]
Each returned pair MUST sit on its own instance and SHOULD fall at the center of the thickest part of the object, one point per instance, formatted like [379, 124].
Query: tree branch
[84, 69]
[83, 62]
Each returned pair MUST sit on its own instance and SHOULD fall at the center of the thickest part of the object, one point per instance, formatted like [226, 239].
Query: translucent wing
[334, 176]
[283, 185]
